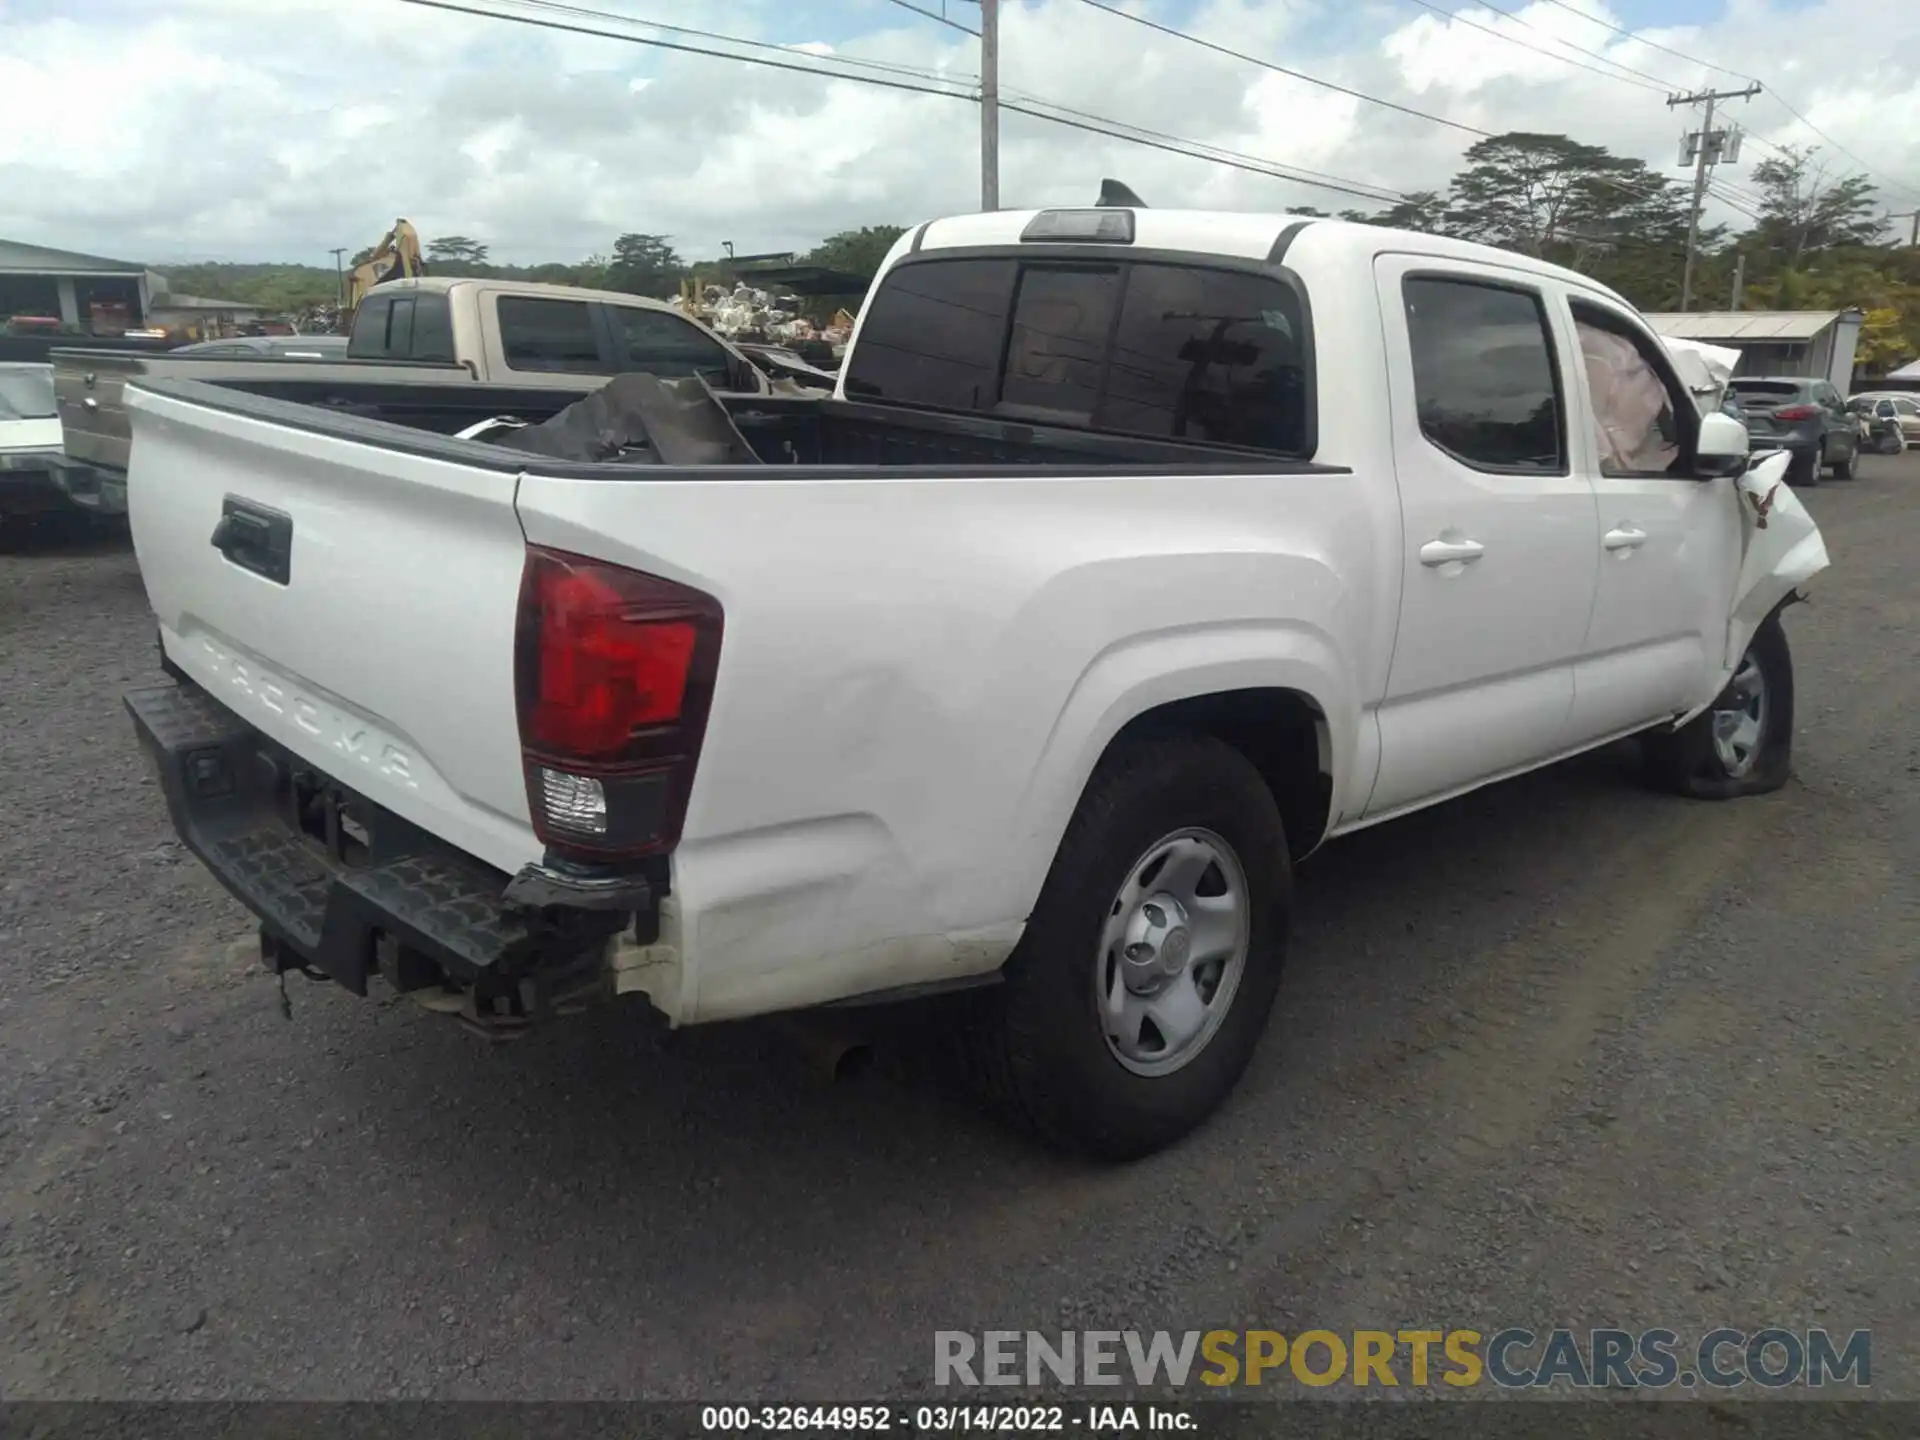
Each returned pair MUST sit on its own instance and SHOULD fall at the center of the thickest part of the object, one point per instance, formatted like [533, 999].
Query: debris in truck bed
[635, 419]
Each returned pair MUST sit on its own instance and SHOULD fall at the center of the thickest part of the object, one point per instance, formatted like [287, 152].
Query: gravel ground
[1564, 1051]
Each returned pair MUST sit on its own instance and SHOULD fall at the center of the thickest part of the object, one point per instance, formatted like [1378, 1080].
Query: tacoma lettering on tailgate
[347, 735]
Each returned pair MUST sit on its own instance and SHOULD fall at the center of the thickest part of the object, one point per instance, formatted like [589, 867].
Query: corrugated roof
[1745, 324]
[19, 258]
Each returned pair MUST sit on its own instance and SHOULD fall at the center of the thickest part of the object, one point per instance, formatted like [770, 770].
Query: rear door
[1499, 561]
[1843, 436]
[353, 601]
[1667, 544]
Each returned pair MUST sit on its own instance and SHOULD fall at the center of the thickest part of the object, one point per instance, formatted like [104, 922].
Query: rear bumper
[104, 492]
[28, 483]
[347, 889]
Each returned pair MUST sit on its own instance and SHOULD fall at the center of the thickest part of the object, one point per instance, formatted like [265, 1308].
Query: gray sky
[167, 130]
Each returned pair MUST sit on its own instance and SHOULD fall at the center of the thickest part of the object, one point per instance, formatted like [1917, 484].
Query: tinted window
[368, 340]
[400, 329]
[1057, 351]
[550, 335]
[1772, 391]
[932, 335]
[1483, 375]
[1209, 355]
[663, 344]
[432, 329]
[1636, 424]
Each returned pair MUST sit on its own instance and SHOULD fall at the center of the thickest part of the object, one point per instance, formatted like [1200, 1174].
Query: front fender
[1781, 549]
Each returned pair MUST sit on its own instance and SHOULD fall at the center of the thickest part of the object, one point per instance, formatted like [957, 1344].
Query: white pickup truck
[1138, 554]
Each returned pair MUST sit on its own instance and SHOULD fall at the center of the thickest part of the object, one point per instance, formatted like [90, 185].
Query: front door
[1667, 544]
[1498, 556]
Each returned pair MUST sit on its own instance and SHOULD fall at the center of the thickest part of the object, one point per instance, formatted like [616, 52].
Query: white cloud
[241, 129]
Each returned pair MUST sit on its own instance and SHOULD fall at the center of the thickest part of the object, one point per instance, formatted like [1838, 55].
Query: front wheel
[1149, 966]
[1742, 744]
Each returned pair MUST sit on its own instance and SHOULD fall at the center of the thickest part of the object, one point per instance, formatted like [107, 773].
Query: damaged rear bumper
[346, 889]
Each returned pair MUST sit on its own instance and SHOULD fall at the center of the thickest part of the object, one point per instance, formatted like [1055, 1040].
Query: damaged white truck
[1137, 554]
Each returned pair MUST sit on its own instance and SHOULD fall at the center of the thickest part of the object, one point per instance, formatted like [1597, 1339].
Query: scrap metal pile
[745, 312]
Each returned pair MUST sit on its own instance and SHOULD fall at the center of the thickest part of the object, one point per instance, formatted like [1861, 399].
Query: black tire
[1843, 469]
[1803, 469]
[1037, 1043]
[1686, 762]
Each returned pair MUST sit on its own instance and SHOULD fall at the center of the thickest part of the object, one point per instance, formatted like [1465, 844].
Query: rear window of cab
[1152, 348]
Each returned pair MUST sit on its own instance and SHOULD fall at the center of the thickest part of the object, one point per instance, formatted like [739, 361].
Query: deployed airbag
[640, 419]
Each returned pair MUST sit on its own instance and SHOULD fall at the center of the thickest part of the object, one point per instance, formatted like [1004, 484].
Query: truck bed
[814, 432]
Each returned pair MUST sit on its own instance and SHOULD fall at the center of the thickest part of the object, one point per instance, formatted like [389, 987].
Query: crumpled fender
[1780, 551]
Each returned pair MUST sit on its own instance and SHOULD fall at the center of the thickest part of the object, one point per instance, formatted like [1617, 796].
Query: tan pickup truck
[412, 337]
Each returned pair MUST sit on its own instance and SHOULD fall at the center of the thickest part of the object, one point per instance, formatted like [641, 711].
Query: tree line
[1810, 239]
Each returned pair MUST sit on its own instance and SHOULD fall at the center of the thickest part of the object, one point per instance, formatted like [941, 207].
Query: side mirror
[1722, 448]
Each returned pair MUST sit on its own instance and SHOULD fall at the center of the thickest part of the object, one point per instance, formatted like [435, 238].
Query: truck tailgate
[353, 603]
[89, 390]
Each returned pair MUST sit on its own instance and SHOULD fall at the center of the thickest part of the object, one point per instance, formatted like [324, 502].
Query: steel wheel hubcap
[1172, 952]
[1740, 720]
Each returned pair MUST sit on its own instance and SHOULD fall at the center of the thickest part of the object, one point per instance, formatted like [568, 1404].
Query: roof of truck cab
[441, 284]
[1245, 236]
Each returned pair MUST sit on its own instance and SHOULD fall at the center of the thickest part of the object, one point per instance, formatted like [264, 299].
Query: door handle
[1441, 552]
[1624, 537]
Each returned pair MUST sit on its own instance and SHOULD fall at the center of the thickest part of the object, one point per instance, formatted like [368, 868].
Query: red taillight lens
[615, 674]
[1796, 412]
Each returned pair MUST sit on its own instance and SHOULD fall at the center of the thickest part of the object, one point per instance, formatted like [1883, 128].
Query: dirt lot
[1564, 1052]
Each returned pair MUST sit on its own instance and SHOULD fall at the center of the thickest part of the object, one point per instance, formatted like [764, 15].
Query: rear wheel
[1149, 966]
[1803, 469]
[1743, 743]
[1843, 469]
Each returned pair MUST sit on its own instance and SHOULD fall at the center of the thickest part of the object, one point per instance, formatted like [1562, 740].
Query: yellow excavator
[396, 257]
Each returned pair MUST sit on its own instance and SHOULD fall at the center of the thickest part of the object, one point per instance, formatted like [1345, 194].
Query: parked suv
[1807, 418]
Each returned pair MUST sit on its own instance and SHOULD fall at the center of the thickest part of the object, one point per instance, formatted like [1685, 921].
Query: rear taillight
[1796, 412]
[613, 671]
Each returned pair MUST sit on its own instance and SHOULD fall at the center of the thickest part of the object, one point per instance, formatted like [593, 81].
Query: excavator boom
[396, 257]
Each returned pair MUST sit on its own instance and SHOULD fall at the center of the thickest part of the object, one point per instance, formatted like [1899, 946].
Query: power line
[1218, 157]
[1891, 185]
[1292, 74]
[1639, 75]
[1650, 44]
[935, 15]
[1379, 193]
[1094, 124]
[1457, 18]
[1772, 93]
[1732, 202]
[885, 66]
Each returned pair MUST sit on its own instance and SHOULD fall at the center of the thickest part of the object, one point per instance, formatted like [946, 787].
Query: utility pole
[989, 104]
[1705, 146]
[1914, 216]
[339, 275]
[1739, 277]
